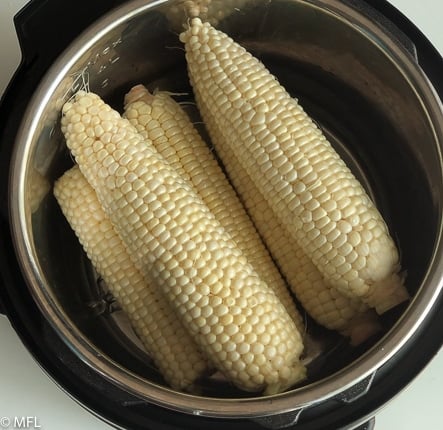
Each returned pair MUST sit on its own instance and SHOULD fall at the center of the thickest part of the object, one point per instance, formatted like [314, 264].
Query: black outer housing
[45, 28]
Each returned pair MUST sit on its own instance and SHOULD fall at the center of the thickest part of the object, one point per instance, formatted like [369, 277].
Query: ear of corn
[327, 306]
[212, 11]
[170, 346]
[233, 316]
[160, 119]
[310, 189]
[38, 189]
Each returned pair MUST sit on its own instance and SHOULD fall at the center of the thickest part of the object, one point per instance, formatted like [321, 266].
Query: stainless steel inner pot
[361, 83]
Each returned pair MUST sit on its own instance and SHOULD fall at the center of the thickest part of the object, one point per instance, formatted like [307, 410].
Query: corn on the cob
[327, 306]
[232, 315]
[160, 331]
[212, 11]
[39, 188]
[163, 121]
[312, 191]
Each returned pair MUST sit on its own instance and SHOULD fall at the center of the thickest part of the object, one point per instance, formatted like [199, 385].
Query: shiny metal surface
[363, 88]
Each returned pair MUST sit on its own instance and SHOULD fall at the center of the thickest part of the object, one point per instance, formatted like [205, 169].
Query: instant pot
[370, 80]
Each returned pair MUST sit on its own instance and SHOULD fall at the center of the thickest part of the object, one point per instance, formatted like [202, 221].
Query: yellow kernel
[239, 365]
[354, 238]
[265, 338]
[253, 369]
[243, 348]
[339, 241]
[345, 249]
[344, 226]
[333, 235]
[351, 275]
[343, 268]
[257, 348]
[226, 319]
[233, 356]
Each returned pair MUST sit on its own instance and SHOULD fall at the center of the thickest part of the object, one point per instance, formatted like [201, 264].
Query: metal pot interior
[364, 90]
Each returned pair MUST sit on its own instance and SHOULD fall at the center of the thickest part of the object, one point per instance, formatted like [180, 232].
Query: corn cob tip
[80, 102]
[362, 327]
[388, 293]
[196, 8]
[298, 374]
[194, 25]
[81, 94]
[138, 92]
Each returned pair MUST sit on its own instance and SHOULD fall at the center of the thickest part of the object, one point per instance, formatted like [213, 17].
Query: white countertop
[25, 391]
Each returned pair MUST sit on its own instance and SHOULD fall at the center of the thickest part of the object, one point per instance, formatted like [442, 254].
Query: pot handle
[46, 27]
[289, 419]
[281, 421]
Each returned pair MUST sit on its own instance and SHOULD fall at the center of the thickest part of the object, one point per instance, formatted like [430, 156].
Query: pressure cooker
[370, 80]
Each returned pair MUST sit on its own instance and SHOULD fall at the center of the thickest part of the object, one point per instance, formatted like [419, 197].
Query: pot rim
[299, 398]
